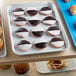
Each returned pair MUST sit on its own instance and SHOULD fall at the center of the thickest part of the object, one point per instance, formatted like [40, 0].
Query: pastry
[41, 44]
[18, 12]
[22, 68]
[72, 10]
[38, 32]
[45, 11]
[5, 67]
[32, 11]
[24, 45]
[1, 43]
[20, 21]
[53, 31]
[57, 42]
[22, 32]
[67, 1]
[56, 64]
[1, 31]
[49, 20]
[34, 22]
[0, 19]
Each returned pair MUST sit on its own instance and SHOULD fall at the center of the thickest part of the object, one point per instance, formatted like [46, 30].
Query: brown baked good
[0, 19]
[56, 64]
[21, 68]
[66, 1]
[72, 10]
[1, 31]
[5, 67]
[1, 43]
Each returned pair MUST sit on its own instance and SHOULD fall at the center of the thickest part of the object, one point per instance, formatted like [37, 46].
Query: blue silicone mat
[69, 19]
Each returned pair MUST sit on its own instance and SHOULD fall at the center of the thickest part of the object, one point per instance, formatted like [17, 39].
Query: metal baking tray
[3, 51]
[13, 28]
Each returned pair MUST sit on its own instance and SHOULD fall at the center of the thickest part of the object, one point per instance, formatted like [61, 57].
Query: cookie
[22, 32]
[20, 21]
[38, 32]
[49, 20]
[45, 11]
[24, 45]
[1, 43]
[18, 12]
[1, 31]
[41, 44]
[57, 42]
[34, 22]
[32, 11]
[53, 31]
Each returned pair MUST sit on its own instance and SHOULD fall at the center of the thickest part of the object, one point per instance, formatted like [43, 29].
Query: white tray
[13, 28]
[43, 68]
[3, 51]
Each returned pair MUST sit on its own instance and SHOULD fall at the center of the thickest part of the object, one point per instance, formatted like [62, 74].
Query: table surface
[12, 58]
[33, 72]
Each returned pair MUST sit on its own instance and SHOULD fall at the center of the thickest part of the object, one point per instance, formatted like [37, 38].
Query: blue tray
[69, 19]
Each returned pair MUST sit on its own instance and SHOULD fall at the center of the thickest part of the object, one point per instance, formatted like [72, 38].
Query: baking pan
[13, 28]
[3, 51]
